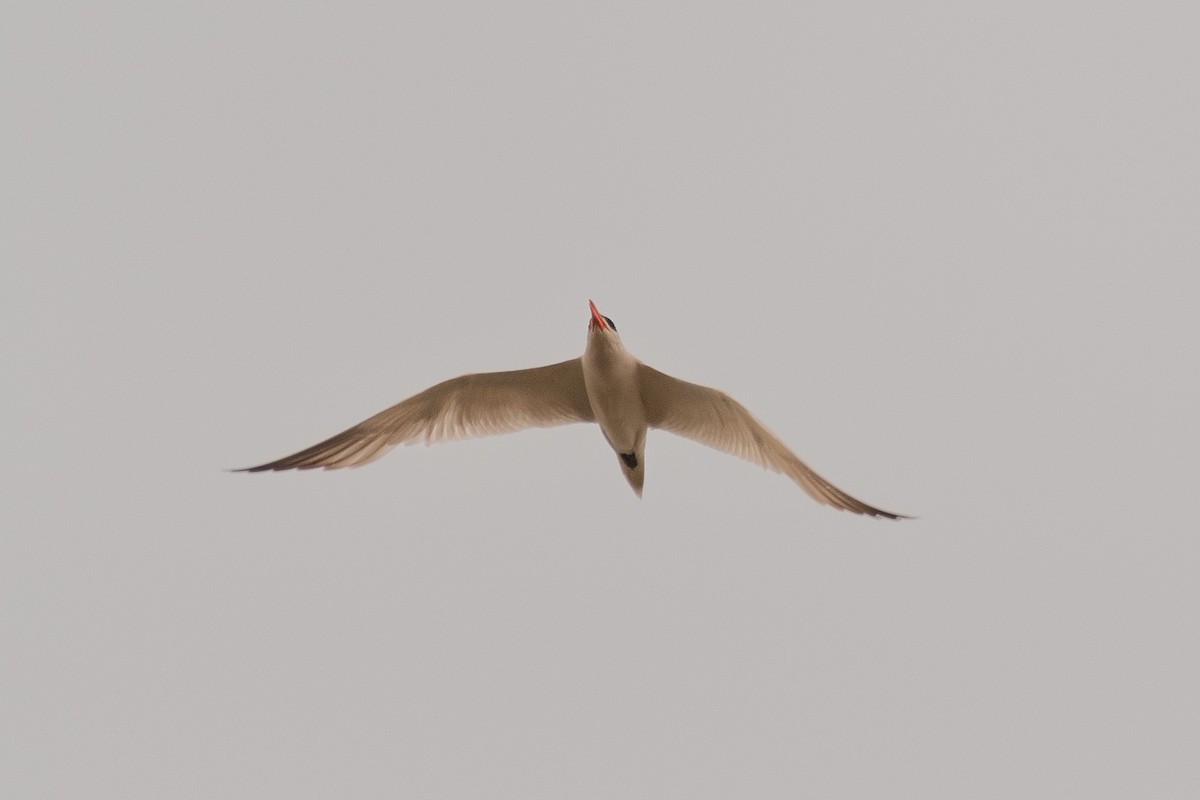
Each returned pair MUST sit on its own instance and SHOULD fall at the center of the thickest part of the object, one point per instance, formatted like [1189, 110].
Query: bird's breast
[616, 400]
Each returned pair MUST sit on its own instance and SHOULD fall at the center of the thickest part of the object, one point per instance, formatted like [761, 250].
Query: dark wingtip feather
[878, 512]
[259, 468]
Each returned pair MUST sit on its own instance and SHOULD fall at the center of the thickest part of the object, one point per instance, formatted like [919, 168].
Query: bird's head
[600, 324]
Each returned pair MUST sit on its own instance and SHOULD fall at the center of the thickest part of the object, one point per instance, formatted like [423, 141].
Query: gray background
[947, 252]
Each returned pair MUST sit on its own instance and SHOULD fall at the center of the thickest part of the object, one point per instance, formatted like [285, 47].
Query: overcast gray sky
[949, 253]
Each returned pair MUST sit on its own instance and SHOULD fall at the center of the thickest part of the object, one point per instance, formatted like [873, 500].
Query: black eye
[610, 323]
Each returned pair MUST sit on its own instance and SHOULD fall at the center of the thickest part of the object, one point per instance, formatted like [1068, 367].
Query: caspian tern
[607, 385]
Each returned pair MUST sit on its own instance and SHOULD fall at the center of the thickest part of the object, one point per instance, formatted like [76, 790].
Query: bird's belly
[621, 416]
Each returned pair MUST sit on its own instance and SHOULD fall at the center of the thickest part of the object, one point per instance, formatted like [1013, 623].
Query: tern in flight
[607, 385]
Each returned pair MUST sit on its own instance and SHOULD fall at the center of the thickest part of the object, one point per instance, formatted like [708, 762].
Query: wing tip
[285, 465]
[873, 512]
[890, 515]
[260, 468]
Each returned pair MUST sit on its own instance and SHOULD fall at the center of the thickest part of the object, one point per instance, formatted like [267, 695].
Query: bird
[607, 386]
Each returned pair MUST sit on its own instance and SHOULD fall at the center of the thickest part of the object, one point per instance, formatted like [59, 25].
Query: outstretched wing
[471, 405]
[714, 418]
